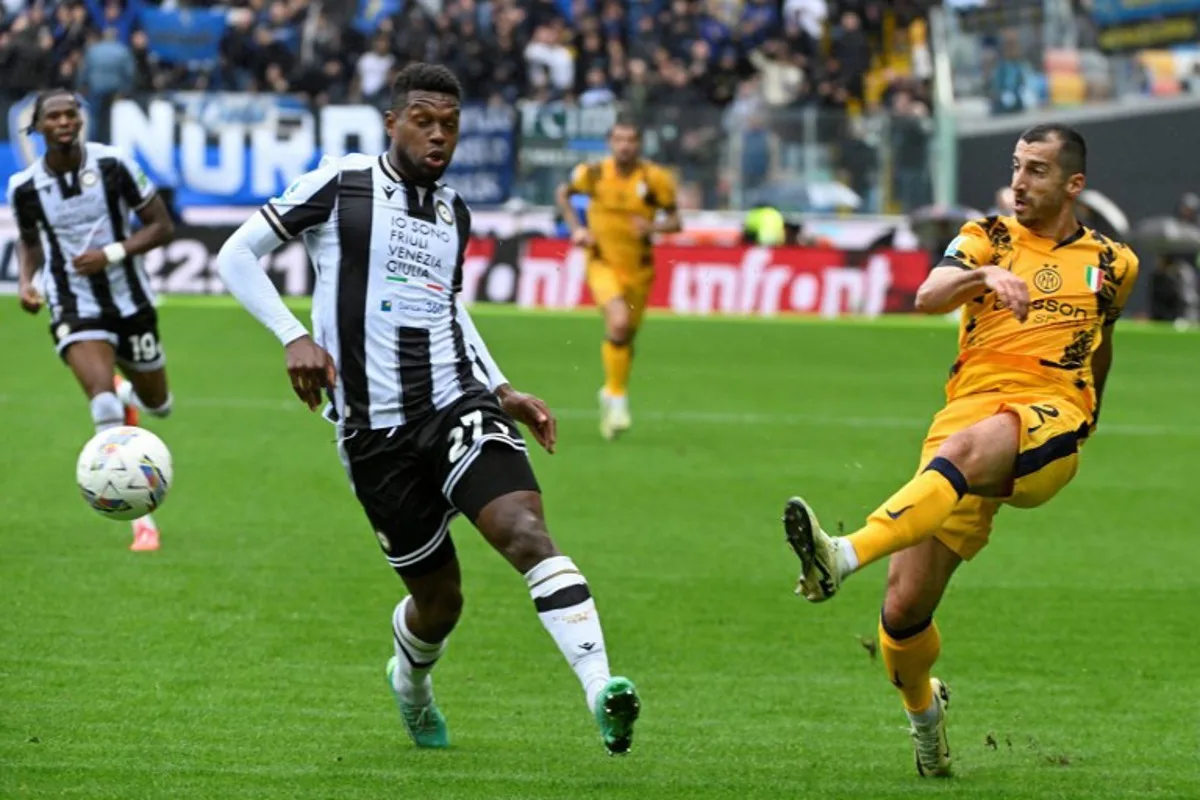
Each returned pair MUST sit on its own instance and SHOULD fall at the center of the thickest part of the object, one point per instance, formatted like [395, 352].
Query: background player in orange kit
[1040, 294]
[625, 193]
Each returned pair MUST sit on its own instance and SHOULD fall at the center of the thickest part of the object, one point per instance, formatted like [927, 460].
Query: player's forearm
[156, 231]
[496, 381]
[238, 265]
[148, 237]
[563, 199]
[30, 259]
[947, 288]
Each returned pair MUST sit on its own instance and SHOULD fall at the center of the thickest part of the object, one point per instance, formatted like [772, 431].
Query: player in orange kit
[1041, 295]
[626, 194]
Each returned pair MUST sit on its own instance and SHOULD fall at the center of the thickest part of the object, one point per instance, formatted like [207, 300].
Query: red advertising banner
[535, 272]
[762, 281]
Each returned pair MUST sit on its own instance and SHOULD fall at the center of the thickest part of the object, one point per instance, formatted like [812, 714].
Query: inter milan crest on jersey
[1047, 280]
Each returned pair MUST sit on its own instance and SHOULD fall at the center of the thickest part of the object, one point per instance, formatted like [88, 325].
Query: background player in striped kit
[72, 207]
[426, 420]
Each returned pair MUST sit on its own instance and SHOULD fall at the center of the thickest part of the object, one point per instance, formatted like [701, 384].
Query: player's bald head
[1072, 149]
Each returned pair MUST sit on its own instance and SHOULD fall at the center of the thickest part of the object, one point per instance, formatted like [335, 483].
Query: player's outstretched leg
[515, 525]
[421, 625]
[980, 457]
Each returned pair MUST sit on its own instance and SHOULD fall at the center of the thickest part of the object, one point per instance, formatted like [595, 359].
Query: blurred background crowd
[800, 105]
[834, 91]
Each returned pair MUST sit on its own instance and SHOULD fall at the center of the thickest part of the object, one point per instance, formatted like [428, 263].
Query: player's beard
[417, 170]
[1042, 210]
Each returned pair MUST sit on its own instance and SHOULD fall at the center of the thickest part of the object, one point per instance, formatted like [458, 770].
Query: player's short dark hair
[422, 77]
[45, 95]
[1072, 149]
[624, 121]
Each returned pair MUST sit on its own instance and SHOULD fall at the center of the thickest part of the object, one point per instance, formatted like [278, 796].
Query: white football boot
[929, 738]
[820, 570]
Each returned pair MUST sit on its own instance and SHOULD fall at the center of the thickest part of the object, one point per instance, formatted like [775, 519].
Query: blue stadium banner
[372, 12]
[184, 35]
[229, 149]
[1126, 25]
[1116, 12]
[485, 163]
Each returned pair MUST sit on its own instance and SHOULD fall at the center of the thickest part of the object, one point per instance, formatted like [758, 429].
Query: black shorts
[413, 480]
[134, 338]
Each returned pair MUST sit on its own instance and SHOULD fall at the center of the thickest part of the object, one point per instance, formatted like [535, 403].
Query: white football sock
[416, 659]
[925, 719]
[565, 607]
[129, 397]
[107, 411]
[847, 558]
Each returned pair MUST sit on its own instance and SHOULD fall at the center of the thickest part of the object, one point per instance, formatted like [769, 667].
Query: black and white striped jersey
[85, 210]
[388, 257]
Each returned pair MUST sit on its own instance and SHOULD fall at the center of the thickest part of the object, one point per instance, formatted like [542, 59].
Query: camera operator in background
[1176, 282]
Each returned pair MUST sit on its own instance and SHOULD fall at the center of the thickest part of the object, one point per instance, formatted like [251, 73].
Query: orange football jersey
[1076, 288]
[615, 200]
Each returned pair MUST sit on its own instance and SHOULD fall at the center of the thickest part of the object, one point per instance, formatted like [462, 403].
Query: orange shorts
[1052, 432]
[608, 283]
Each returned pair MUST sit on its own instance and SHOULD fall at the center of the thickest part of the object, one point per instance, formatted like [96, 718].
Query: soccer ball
[124, 473]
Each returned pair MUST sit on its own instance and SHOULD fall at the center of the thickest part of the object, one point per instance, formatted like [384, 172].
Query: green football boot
[617, 708]
[425, 724]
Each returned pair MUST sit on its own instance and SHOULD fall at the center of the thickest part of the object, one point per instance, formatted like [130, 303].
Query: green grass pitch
[245, 659]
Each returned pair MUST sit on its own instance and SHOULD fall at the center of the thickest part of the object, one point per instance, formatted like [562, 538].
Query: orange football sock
[618, 362]
[912, 514]
[909, 655]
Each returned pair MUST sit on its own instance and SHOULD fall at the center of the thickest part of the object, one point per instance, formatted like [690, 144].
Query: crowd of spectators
[576, 51]
[699, 68]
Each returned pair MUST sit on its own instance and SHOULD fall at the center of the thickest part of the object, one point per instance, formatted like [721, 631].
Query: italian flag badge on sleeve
[1095, 278]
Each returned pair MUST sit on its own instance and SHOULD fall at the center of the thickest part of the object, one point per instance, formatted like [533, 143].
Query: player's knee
[980, 455]
[961, 451]
[617, 323]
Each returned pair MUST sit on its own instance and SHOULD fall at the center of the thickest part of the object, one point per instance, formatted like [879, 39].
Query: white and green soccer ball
[124, 473]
